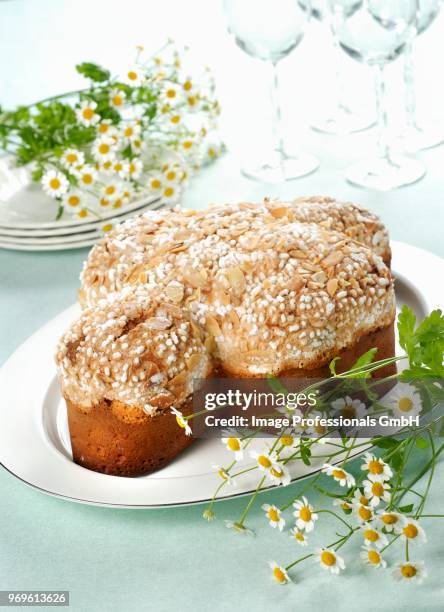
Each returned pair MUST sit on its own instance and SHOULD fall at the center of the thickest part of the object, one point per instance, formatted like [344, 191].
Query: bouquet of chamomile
[137, 136]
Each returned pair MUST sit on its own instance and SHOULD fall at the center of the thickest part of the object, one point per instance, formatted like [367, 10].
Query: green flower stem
[432, 472]
[390, 543]
[349, 527]
[298, 561]
[424, 470]
[250, 502]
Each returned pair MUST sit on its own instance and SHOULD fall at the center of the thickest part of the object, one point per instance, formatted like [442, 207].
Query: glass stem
[339, 80]
[278, 140]
[381, 111]
[409, 84]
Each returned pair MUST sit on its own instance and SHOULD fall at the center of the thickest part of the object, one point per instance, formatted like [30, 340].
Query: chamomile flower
[391, 521]
[376, 467]
[73, 198]
[234, 445]
[345, 505]
[223, 474]
[111, 191]
[279, 474]
[83, 213]
[108, 226]
[264, 460]
[155, 182]
[376, 490]
[274, 516]
[413, 532]
[86, 114]
[133, 169]
[299, 536]
[364, 514]
[169, 194]
[103, 149]
[188, 86]
[172, 94]
[404, 401]
[131, 131]
[134, 77]
[279, 573]
[238, 527]
[87, 175]
[410, 571]
[340, 475]
[305, 517]
[348, 408]
[117, 98]
[72, 158]
[373, 537]
[373, 557]
[182, 421]
[187, 145]
[208, 515]
[117, 166]
[171, 175]
[106, 127]
[330, 560]
[55, 183]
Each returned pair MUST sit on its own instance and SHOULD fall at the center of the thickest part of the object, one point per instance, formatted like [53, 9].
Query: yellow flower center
[305, 514]
[88, 113]
[132, 75]
[328, 558]
[364, 513]
[171, 93]
[103, 128]
[211, 152]
[73, 200]
[71, 158]
[54, 183]
[408, 571]
[108, 227]
[187, 85]
[104, 202]
[180, 421]
[375, 467]
[279, 575]
[169, 191]
[110, 190]
[340, 474]
[222, 474]
[233, 444]
[371, 535]
[299, 536]
[83, 213]
[264, 461]
[117, 203]
[117, 100]
[410, 531]
[156, 184]
[132, 168]
[389, 519]
[170, 175]
[348, 411]
[128, 132]
[118, 167]
[405, 404]
[276, 472]
[104, 148]
[175, 119]
[192, 100]
[187, 144]
[377, 489]
[363, 500]
[374, 557]
[287, 440]
[87, 178]
[273, 515]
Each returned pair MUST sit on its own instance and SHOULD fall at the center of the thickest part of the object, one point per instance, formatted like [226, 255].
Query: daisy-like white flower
[137, 145]
[188, 85]
[279, 474]
[373, 537]
[376, 467]
[111, 191]
[330, 560]
[373, 557]
[187, 145]
[134, 77]
[410, 571]
[83, 213]
[171, 175]
[413, 532]
[103, 149]
[404, 401]
[305, 517]
[172, 94]
[299, 536]
[87, 175]
[345, 505]
[155, 182]
[109, 226]
[348, 408]
[223, 474]
[264, 460]
[238, 527]
[363, 513]
[182, 421]
[392, 521]
[208, 515]
[169, 193]
[274, 516]
[117, 98]
[376, 490]
[86, 114]
[279, 573]
[234, 445]
[55, 183]
[133, 169]
[117, 166]
[73, 198]
[106, 127]
[131, 131]
[340, 475]
[72, 158]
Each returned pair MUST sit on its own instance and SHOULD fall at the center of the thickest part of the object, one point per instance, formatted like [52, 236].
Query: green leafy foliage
[94, 72]
[363, 360]
[424, 345]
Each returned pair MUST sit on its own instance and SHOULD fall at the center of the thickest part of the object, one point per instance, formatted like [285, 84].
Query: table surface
[172, 559]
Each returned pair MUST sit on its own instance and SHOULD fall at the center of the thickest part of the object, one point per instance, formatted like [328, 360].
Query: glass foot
[384, 174]
[282, 168]
[342, 121]
[422, 137]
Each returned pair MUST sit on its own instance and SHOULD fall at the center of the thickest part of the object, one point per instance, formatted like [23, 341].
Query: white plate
[63, 241]
[34, 440]
[24, 205]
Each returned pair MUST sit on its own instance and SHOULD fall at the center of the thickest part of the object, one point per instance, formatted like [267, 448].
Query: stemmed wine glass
[269, 30]
[338, 118]
[376, 32]
[418, 135]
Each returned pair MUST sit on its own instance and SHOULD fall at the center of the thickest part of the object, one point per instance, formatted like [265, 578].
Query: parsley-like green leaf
[94, 72]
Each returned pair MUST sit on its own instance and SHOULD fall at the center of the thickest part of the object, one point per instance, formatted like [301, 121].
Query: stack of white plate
[27, 217]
